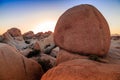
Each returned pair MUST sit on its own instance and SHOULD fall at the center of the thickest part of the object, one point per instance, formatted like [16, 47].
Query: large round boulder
[14, 66]
[83, 69]
[83, 29]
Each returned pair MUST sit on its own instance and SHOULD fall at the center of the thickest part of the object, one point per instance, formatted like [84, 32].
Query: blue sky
[39, 15]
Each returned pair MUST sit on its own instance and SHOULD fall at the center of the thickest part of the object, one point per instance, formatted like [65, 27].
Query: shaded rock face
[82, 69]
[16, 67]
[64, 56]
[48, 57]
[46, 61]
[54, 52]
[111, 58]
[1, 38]
[84, 30]
[114, 52]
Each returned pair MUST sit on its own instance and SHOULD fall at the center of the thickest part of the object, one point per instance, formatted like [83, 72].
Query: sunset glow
[42, 15]
[45, 26]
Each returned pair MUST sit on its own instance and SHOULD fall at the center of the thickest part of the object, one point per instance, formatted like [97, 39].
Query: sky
[42, 15]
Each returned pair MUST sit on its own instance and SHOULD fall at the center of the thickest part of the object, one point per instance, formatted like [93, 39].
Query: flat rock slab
[83, 69]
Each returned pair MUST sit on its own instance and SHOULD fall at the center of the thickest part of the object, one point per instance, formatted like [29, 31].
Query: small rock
[28, 35]
[54, 52]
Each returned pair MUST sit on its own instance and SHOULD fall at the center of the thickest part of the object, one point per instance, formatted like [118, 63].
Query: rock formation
[28, 35]
[81, 31]
[80, 51]
[14, 38]
[46, 43]
[83, 69]
[1, 38]
[64, 56]
[14, 66]
[84, 30]
[14, 32]
[42, 35]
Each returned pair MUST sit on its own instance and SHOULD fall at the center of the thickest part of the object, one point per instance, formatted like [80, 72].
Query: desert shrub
[27, 42]
[33, 53]
[97, 58]
[94, 57]
[46, 65]
[47, 51]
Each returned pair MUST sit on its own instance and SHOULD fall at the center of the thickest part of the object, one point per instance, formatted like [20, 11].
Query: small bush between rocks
[27, 42]
[33, 53]
[97, 58]
[94, 57]
[46, 65]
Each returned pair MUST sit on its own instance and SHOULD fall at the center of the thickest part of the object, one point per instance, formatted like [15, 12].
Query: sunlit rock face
[14, 66]
[14, 32]
[83, 69]
[41, 35]
[14, 38]
[28, 35]
[84, 30]
[46, 43]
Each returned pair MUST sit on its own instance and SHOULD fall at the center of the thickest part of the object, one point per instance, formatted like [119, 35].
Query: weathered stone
[28, 35]
[64, 56]
[83, 69]
[54, 52]
[14, 32]
[83, 29]
[14, 39]
[14, 66]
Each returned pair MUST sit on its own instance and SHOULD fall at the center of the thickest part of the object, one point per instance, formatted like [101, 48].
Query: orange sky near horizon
[42, 15]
